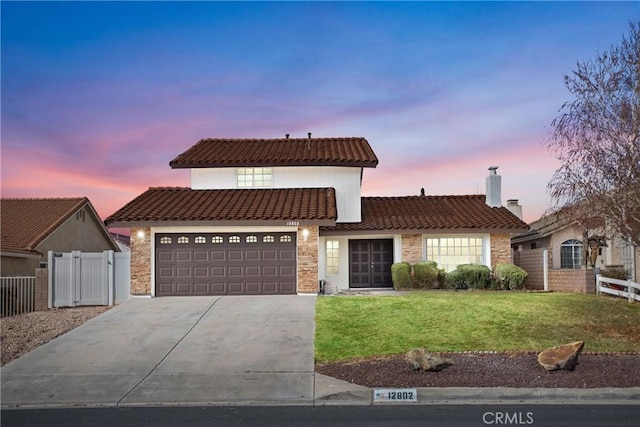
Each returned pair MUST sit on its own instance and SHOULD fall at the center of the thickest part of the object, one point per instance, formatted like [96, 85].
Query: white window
[183, 239]
[251, 239]
[200, 239]
[449, 252]
[217, 240]
[285, 239]
[268, 239]
[571, 254]
[255, 178]
[234, 239]
[165, 240]
[333, 257]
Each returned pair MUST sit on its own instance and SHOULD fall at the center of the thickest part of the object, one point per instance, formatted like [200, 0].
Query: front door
[370, 263]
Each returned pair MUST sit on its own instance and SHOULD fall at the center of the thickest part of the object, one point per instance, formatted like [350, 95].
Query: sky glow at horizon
[97, 98]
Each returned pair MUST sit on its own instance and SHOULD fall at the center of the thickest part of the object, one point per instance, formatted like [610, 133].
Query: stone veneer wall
[308, 260]
[500, 249]
[141, 262]
[412, 248]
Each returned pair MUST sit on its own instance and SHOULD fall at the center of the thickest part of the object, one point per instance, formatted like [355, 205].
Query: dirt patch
[519, 370]
[22, 333]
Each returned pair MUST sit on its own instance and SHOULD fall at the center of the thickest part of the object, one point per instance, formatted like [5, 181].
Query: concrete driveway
[185, 350]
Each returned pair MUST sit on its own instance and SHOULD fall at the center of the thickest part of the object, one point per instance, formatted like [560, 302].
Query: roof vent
[309, 135]
[422, 191]
[286, 135]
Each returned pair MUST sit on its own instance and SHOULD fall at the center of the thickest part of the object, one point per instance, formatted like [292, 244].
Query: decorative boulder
[561, 357]
[420, 359]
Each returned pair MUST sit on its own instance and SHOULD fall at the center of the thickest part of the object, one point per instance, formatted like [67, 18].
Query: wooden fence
[621, 288]
[17, 295]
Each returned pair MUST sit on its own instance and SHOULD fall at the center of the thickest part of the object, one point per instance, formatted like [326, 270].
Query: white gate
[88, 278]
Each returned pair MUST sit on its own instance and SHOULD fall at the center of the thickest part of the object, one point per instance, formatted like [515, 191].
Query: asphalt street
[335, 416]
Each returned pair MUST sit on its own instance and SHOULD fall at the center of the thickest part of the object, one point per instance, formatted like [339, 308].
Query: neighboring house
[276, 216]
[123, 242]
[573, 252]
[32, 227]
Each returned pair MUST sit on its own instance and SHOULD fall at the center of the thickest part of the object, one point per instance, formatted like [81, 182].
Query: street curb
[332, 391]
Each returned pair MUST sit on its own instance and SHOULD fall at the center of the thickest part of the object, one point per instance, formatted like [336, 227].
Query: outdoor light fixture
[305, 234]
[140, 235]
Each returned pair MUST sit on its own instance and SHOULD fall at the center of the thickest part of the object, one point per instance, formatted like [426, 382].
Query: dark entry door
[370, 263]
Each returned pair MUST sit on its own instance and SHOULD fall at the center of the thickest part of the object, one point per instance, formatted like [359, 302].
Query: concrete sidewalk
[183, 350]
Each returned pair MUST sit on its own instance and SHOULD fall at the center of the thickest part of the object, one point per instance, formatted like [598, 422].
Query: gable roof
[211, 153]
[433, 214]
[180, 204]
[25, 223]
[553, 222]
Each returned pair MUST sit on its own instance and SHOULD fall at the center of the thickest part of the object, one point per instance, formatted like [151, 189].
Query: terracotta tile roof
[25, 223]
[441, 213]
[174, 204]
[277, 152]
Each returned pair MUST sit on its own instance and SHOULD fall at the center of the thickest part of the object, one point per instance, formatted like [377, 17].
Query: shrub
[615, 272]
[401, 275]
[472, 276]
[509, 276]
[426, 273]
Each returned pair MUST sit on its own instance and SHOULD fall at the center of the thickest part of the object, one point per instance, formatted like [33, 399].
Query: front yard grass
[352, 327]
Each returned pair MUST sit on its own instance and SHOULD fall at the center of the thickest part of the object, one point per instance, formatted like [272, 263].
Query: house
[572, 252]
[276, 216]
[32, 227]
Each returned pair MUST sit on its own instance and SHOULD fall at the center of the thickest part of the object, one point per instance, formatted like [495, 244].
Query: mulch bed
[519, 370]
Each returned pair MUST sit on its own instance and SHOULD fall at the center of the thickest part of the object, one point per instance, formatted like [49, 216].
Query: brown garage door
[225, 263]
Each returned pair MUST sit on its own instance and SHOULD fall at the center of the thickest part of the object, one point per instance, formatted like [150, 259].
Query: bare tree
[596, 137]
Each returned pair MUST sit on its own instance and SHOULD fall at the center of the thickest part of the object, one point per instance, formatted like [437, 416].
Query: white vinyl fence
[17, 295]
[88, 278]
[622, 288]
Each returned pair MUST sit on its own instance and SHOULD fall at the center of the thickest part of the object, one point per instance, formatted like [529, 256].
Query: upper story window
[571, 254]
[255, 178]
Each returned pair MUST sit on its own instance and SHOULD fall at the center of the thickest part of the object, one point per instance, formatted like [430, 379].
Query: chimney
[514, 207]
[494, 188]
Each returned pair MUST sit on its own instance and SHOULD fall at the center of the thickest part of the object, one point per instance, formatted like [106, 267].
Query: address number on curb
[395, 395]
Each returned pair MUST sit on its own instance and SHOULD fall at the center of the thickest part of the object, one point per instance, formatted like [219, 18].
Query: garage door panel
[200, 255]
[225, 263]
[165, 256]
[200, 271]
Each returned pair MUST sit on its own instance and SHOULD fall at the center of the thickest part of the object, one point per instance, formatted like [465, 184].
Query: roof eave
[185, 165]
[222, 223]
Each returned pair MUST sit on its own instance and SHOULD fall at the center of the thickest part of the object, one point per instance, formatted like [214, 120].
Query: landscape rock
[420, 359]
[561, 357]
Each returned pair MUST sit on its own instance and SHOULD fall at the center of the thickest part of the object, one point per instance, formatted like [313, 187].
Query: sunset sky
[97, 98]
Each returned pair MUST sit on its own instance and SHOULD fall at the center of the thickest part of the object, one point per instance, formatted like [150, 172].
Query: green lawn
[350, 327]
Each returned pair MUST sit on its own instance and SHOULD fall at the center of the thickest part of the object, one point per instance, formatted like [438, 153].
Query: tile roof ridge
[44, 198]
[428, 196]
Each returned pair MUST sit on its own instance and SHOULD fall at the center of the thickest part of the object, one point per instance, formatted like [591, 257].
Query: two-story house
[276, 216]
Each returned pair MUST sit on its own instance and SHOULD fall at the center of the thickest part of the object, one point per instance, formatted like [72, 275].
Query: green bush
[426, 273]
[473, 276]
[509, 276]
[401, 275]
[615, 272]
